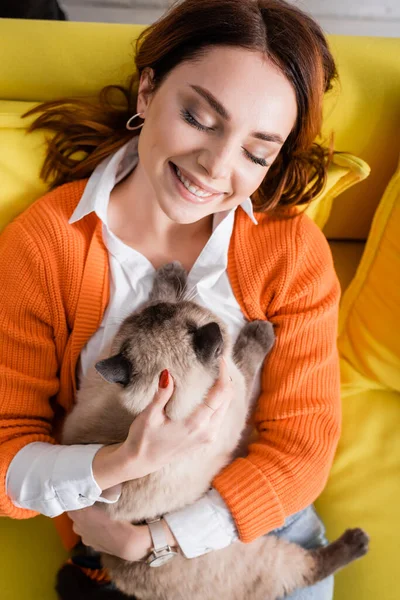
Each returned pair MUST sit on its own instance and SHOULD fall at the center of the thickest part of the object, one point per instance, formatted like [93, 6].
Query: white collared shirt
[54, 479]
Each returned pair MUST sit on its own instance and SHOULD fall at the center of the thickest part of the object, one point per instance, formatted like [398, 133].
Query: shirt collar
[111, 171]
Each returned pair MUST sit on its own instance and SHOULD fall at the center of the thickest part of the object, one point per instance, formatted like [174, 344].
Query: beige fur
[161, 337]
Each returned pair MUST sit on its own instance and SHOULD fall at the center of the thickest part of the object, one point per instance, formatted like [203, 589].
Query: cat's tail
[307, 567]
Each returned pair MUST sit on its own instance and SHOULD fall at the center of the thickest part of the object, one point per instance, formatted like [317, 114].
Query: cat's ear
[208, 341]
[116, 369]
[169, 283]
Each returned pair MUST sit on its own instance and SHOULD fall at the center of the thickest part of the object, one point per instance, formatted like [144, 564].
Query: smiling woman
[271, 56]
[202, 158]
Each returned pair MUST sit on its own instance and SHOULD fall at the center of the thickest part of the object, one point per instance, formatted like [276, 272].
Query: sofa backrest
[42, 60]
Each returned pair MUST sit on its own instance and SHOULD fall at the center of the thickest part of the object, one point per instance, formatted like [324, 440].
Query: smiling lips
[194, 186]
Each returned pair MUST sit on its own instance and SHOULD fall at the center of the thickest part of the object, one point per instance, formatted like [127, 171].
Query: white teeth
[192, 188]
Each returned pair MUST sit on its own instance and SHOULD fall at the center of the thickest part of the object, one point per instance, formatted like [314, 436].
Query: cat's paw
[172, 272]
[261, 332]
[355, 542]
[169, 283]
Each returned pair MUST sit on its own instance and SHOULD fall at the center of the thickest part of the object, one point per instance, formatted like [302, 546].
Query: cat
[187, 339]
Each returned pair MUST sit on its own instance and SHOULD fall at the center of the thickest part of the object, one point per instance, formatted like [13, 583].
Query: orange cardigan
[54, 288]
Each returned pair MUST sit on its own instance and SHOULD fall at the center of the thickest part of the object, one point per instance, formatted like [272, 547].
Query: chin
[181, 215]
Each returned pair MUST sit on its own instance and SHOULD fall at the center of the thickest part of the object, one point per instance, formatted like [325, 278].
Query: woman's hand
[154, 440]
[120, 538]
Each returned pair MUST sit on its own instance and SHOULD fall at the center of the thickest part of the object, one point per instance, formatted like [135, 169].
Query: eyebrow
[221, 110]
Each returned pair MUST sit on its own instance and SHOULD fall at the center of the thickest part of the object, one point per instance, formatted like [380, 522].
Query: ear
[208, 342]
[145, 90]
[116, 369]
[169, 283]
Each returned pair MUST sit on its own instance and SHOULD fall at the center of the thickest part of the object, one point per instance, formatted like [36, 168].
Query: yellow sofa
[44, 60]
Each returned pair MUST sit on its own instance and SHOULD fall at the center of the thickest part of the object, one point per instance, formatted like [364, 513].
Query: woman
[206, 163]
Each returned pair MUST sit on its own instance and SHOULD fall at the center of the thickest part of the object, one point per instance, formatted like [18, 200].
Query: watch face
[161, 560]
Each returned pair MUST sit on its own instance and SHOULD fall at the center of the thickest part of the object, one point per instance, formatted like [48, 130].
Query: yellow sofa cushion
[30, 556]
[369, 340]
[363, 490]
[363, 112]
[344, 171]
[21, 157]
[22, 154]
[364, 485]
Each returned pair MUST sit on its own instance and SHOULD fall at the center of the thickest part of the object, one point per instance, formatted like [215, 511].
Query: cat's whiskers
[189, 295]
[193, 296]
[180, 292]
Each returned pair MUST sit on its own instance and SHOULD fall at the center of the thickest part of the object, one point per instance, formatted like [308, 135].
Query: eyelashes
[192, 121]
[258, 161]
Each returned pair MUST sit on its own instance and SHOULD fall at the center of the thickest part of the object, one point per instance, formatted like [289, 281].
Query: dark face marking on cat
[116, 369]
[157, 314]
[208, 342]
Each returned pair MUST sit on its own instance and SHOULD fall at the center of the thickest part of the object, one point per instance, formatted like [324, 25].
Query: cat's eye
[218, 351]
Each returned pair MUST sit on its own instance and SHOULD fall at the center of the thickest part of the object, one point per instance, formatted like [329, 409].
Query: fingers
[154, 412]
[217, 401]
[165, 390]
[216, 395]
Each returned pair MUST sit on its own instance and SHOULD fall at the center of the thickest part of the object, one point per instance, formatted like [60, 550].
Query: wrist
[146, 542]
[107, 467]
[142, 542]
[131, 467]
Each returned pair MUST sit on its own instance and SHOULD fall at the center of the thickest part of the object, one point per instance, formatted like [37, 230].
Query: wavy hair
[87, 131]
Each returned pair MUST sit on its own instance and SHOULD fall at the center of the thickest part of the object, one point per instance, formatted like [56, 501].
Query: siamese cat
[187, 339]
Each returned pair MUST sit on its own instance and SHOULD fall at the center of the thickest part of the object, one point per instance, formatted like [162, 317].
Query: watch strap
[157, 533]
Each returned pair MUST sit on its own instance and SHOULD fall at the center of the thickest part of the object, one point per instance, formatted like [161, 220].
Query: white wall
[358, 17]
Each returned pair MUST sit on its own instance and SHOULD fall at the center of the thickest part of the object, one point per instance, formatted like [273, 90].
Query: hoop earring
[128, 123]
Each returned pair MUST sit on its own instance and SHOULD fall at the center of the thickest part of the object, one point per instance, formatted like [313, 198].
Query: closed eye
[194, 123]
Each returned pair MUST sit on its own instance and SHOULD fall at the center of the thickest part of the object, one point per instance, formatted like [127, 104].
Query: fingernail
[164, 379]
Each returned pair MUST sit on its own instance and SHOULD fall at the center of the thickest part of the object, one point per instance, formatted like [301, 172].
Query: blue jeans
[306, 529]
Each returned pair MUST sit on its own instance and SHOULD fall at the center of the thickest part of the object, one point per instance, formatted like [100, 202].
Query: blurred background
[358, 17]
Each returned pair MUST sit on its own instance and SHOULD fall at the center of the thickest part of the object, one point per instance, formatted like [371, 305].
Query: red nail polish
[164, 379]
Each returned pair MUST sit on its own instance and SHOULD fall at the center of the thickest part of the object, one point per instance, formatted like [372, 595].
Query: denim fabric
[306, 529]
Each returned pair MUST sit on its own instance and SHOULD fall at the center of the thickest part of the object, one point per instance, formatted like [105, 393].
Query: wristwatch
[161, 552]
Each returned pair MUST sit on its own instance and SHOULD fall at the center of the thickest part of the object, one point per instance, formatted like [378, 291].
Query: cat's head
[168, 333]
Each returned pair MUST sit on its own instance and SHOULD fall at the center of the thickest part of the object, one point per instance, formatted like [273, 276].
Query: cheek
[247, 180]
[169, 135]
[183, 140]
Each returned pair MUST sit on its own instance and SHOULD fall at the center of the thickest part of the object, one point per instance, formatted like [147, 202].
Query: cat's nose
[208, 342]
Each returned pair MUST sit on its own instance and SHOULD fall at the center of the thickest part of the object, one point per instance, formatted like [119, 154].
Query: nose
[217, 161]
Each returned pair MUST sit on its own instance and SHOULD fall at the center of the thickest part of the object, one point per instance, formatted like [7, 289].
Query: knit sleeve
[28, 361]
[298, 414]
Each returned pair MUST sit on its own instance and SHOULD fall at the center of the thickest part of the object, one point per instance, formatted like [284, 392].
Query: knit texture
[54, 289]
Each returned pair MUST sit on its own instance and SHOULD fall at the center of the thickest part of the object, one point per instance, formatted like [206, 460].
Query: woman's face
[220, 120]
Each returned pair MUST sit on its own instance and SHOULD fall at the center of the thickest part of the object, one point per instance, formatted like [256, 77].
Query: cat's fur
[178, 335]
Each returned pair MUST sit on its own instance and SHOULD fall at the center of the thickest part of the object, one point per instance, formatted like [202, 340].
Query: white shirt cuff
[54, 479]
[204, 526]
